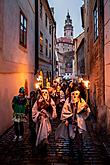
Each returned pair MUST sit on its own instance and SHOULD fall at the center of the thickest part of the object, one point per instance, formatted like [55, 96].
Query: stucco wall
[16, 62]
[9, 87]
[12, 50]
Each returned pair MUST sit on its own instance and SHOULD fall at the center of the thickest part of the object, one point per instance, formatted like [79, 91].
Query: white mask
[45, 94]
[75, 96]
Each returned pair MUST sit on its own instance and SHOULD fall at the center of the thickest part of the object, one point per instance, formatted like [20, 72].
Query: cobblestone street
[14, 153]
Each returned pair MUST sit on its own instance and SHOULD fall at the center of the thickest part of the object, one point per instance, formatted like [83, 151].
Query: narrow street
[20, 153]
[55, 62]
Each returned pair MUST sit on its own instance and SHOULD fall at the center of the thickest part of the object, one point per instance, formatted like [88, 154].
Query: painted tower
[68, 28]
[65, 48]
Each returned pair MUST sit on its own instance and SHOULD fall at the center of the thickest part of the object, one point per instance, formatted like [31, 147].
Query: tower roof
[68, 28]
[68, 15]
[68, 20]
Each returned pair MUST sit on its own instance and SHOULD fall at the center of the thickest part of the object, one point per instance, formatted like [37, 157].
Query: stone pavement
[21, 153]
[106, 144]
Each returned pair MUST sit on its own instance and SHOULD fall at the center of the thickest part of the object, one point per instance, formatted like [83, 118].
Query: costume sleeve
[35, 112]
[14, 102]
[26, 105]
[62, 96]
[54, 114]
[66, 113]
[67, 91]
[86, 114]
[83, 109]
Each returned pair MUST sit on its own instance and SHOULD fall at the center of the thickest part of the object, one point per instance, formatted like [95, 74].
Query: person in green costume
[19, 104]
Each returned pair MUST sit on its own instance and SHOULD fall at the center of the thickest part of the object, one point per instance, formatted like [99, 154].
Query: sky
[61, 8]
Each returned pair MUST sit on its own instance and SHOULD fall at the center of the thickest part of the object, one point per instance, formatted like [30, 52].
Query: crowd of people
[64, 101]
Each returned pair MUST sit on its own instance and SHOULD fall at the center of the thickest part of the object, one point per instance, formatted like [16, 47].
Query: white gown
[44, 128]
[62, 130]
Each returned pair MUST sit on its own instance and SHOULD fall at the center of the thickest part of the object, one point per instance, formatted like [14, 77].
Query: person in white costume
[43, 111]
[74, 113]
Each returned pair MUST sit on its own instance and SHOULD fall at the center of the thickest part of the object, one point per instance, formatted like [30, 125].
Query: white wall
[16, 62]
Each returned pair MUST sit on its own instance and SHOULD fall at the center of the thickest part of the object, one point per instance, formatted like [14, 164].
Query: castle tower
[68, 28]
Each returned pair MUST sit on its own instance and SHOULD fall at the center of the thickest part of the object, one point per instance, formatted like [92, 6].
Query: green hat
[22, 90]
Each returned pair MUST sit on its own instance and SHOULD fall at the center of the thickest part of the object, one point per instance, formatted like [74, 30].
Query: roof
[50, 12]
[65, 40]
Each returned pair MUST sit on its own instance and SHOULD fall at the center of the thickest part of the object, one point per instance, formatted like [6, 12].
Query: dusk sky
[61, 8]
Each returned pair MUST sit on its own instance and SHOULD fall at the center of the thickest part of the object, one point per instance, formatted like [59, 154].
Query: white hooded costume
[68, 112]
[42, 119]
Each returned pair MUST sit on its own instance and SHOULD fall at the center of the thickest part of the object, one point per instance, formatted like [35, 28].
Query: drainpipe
[36, 37]
[52, 52]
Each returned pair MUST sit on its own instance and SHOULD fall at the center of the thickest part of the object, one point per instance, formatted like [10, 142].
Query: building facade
[79, 55]
[80, 59]
[17, 53]
[94, 58]
[61, 64]
[107, 59]
[46, 39]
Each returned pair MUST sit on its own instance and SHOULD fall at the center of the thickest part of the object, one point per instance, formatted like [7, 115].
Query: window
[46, 47]
[41, 42]
[40, 9]
[45, 19]
[47, 75]
[95, 14]
[50, 51]
[50, 29]
[23, 30]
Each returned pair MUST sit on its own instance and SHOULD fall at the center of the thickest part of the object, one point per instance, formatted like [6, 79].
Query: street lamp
[37, 85]
[39, 80]
[58, 80]
[87, 86]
